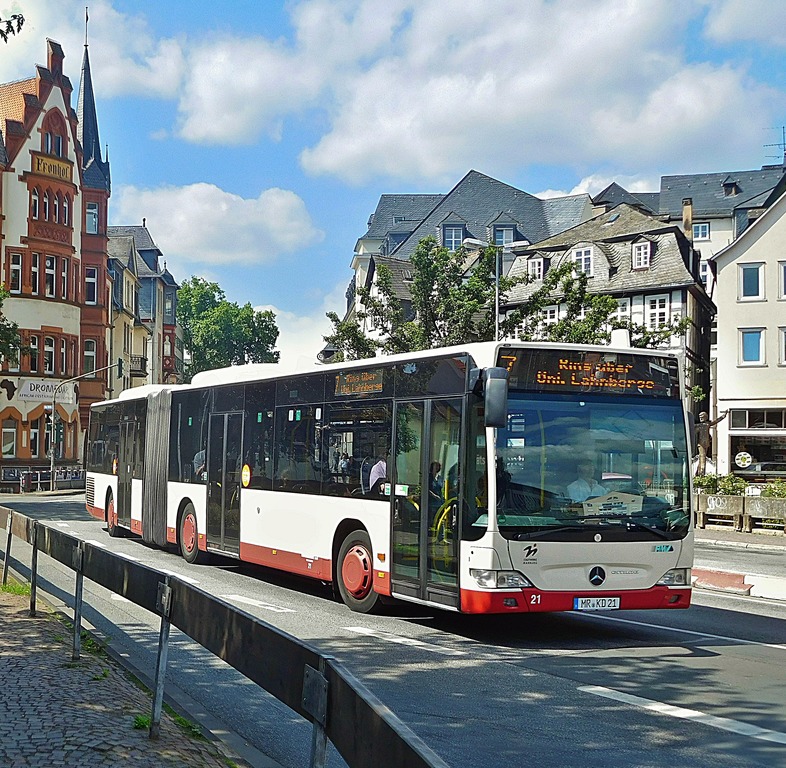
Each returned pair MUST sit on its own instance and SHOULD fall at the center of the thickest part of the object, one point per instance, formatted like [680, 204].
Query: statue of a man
[703, 438]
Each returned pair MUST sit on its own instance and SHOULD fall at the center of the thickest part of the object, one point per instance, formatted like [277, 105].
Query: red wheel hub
[111, 517]
[189, 533]
[356, 571]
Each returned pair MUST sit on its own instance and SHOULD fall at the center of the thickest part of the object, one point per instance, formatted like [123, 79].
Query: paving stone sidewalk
[57, 712]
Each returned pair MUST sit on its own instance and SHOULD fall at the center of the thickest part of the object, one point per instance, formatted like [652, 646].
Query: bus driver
[585, 485]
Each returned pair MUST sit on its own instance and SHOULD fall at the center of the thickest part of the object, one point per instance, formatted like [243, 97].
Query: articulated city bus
[489, 478]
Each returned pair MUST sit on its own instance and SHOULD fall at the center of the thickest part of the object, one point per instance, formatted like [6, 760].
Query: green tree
[218, 333]
[11, 26]
[10, 343]
[453, 298]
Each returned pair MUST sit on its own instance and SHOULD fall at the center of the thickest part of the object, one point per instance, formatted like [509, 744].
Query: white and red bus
[490, 478]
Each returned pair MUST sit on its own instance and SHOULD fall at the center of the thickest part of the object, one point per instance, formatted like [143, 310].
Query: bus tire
[112, 528]
[355, 573]
[188, 535]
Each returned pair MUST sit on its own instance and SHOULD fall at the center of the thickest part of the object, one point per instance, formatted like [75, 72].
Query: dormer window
[407, 276]
[582, 258]
[452, 237]
[641, 255]
[535, 269]
[730, 188]
[503, 236]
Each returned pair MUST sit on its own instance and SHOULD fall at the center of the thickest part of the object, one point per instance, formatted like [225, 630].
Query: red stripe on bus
[292, 562]
[96, 512]
[533, 601]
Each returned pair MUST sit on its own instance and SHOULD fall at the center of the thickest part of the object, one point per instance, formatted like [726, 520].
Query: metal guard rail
[363, 730]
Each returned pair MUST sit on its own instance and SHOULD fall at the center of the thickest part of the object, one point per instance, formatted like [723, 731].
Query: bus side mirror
[495, 395]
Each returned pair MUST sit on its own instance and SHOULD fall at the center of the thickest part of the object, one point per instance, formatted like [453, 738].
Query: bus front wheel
[188, 535]
[355, 573]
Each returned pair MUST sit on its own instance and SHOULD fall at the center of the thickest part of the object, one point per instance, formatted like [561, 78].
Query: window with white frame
[704, 272]
[56, 204]
[751, 281]
[535, 269]
[452, 237]
[582, 258]
[701, 230]
[15, 282]
[50, 275]
[657, 311]
[33, 344]
[64, 278]
[49, 354]
[90, 356]
[91, 285]
[35, 273]
[91, 218]
[782, 346]
[641, 255]
[9, 438]
[503, 236]
[623, 309]
[34, 438]
[46, 206]
[66, 210]
[34, 204]
[550, 315]
[63, 357]
[782, 279]
[751, 346]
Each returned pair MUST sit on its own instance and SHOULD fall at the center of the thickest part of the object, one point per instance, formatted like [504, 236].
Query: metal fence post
[163, 604]
[7, 548]
[78, 555]
[34, 569]
[315, 700]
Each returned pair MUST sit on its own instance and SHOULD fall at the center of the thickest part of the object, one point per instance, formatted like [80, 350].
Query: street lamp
[471, 242]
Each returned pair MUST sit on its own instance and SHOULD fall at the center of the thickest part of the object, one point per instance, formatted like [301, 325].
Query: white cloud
[595, 183]
[202, 224]
[301, 336]
[763, 21]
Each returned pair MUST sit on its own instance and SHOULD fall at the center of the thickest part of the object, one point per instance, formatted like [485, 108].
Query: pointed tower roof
[95, 171]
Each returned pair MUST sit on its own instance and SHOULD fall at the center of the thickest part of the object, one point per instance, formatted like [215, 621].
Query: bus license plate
[596, 603]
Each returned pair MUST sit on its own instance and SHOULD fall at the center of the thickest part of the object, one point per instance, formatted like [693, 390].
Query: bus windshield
[570, 468]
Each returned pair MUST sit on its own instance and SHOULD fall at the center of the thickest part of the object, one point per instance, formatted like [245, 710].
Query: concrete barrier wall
[742, 513]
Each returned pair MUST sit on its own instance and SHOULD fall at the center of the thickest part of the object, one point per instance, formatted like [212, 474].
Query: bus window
[188, 436]
[299, 456]
[258, 435]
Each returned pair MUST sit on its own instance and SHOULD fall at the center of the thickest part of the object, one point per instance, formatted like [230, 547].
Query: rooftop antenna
[781, 145]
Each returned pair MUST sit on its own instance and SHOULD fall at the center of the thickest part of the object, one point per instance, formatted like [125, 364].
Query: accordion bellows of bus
[489, 478]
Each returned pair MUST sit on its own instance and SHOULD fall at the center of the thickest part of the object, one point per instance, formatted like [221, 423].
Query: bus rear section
[590, 494]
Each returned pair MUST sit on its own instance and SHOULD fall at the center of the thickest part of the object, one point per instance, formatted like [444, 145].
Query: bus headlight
[676, 577]
[499, 579]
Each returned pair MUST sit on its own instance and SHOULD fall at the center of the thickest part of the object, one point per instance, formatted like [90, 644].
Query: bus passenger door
[223, 481]
[425, 500]
[126, 460]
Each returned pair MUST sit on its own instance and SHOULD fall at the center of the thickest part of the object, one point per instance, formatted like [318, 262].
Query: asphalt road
[703, 687]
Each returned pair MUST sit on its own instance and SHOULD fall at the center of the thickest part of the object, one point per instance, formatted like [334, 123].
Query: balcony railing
[138, 365]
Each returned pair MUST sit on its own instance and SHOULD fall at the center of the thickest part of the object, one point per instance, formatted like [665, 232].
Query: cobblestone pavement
[77, 714]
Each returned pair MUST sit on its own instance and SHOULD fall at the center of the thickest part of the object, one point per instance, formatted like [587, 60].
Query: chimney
[687, 218]
[54, 58]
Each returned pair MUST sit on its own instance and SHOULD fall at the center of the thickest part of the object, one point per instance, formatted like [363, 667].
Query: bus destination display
[557, 370]
[359, 382]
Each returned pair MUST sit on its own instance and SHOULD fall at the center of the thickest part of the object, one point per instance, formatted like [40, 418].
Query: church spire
[96, 171]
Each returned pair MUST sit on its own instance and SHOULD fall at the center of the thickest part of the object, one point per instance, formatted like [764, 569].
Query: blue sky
[256, 139]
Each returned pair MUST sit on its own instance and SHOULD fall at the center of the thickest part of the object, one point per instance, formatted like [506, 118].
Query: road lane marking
[723, 723]
[391, 638]
[702, 635]
[187, 579]
[98, 544]
[120, 598]
[62, 525]
[257, 603]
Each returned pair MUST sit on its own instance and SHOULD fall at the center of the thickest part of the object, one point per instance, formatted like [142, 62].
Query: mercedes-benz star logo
[597, 576]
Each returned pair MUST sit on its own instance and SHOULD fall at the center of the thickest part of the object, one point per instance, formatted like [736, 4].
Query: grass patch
[141, 722]
[102, 675]
[192, 729]
[16, 588]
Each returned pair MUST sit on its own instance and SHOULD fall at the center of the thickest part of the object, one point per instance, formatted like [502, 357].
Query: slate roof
[140, 234]
[393, 210]
[708, 195]
[95, 170]
[614, 194]
[612, 234]
[478, 199]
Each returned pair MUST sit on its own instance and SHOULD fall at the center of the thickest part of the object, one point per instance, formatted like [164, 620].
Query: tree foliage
[10, 343]
[218, 333]
[453, 301]
[11, 26]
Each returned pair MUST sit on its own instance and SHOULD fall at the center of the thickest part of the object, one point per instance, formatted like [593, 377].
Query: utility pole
[119, 364]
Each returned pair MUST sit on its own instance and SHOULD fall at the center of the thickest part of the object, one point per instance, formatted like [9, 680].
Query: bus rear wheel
[188, 535]
[112, 528]
[355, 573]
